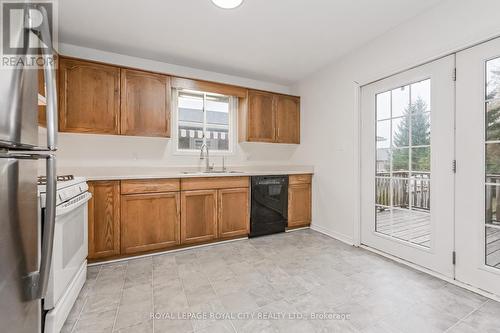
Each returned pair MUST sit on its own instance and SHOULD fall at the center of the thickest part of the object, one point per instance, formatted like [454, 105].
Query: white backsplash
[88, 150]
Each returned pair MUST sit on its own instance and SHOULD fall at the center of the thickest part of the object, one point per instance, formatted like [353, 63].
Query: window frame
[232, 125]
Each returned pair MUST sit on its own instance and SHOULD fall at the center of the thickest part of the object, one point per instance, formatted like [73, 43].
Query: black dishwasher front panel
[269, 207]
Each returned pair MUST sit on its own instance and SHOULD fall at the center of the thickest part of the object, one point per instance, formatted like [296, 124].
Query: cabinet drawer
[299, 179]
[149, 186]
[213, 183]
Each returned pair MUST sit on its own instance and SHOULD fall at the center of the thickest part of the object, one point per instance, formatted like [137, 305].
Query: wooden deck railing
[416, 190]
[493, 199]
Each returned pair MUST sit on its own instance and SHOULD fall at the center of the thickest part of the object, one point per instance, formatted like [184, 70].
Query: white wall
[108, 150]
[329, 100]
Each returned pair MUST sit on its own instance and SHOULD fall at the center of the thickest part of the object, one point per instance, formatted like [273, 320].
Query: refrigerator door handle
[37, 282]
[48, 227]
[50, 81]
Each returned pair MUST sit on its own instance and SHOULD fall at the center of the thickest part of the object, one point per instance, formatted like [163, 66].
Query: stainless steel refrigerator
[25, 247]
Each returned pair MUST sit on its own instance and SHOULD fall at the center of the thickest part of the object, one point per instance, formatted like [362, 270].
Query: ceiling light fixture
[227, 4]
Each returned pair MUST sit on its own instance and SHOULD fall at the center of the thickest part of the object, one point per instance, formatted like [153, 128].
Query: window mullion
[205, 118]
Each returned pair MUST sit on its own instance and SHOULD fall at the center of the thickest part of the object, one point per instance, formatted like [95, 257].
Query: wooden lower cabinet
[198, 216]
[234, 218]
[104, 219]
[299, 205]
[149, 222]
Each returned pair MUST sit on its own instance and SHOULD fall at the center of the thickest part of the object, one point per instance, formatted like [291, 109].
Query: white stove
[69, 257]
[68, 187]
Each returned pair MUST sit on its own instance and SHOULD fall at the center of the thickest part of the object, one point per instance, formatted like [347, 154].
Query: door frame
[356, 86]
[438, 256]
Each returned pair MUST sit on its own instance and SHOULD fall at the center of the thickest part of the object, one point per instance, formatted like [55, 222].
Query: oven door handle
[73, 204]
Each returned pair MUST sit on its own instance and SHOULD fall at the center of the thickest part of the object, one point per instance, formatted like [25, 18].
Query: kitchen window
[203, 117]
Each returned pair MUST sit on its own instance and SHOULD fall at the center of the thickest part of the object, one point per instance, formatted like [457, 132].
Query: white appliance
[69, 256]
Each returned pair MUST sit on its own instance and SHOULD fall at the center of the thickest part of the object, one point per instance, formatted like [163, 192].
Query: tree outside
[493, 123]
[421, 133]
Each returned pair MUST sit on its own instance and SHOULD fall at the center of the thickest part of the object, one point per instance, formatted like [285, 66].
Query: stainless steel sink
[213, 172]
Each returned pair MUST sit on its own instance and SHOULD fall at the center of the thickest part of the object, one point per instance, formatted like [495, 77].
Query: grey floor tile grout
[153, 292]
[349, 269]
[215, 292]
[84, 302]
[467, 316]
[184, 292]
[79, 315]
[121, 296]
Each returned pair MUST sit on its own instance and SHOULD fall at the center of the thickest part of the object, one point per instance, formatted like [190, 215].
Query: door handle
[50, 81]
[48, 227]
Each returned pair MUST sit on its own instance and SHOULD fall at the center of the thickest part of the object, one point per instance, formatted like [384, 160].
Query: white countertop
[117, 173]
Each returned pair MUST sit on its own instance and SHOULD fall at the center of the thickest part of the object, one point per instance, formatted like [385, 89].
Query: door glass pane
[492, 159]
[383, 162]
[384, 134]
[493, 120]
[384, 105]
[400, 101]
[400, 132]
[421, 129]
[421, 159]
[400, 161]
[421, 95]
[400, 193]
[492, 164]
[383, 191]
[493, 79]
[403, 180]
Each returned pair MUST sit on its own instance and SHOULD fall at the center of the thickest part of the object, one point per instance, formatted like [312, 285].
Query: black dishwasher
[269, 208]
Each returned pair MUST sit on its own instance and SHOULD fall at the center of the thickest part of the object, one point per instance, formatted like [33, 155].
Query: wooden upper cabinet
[149, 222]
[234, 214]
[89, 97]
[287, 119]
[267, 117]
[42, 108]
[145, 103]
[198, 216]
[260, 124]
[42, 94]
[104, 219]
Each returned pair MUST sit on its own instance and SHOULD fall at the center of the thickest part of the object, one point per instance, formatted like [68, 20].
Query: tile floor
[295, 274]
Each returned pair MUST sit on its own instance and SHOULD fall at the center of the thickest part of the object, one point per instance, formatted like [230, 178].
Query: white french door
[407, 140]
[478, 166]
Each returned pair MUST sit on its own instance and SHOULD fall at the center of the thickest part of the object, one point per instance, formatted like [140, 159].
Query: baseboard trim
[433, 273]
[147, 255]
[297, 229]
[333, 234]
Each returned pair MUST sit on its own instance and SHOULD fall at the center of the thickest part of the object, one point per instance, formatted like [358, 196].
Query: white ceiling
[278, 41]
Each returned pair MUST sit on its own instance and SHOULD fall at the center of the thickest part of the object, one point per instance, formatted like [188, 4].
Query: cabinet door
[145, 108]
[299, 205]
[287, 119]
[233, 213]
[198, 216]
[42, 108]
[149, 221]
[261, 117]
[104, 219]
[89, 96]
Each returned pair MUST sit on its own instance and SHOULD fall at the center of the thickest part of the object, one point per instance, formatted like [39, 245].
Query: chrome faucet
[208, 168]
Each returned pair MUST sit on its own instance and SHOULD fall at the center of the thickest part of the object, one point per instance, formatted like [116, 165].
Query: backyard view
[492, 163]
[403, 176]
